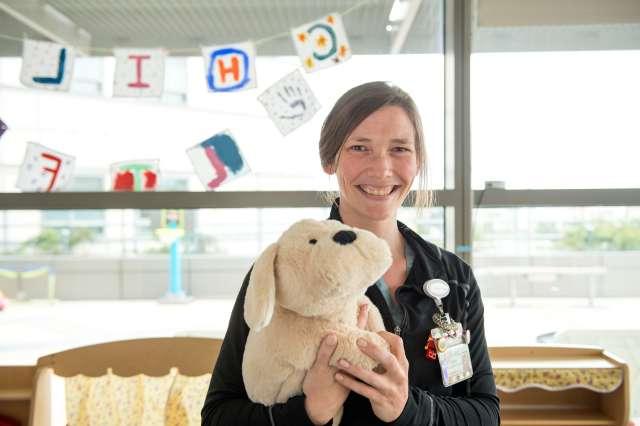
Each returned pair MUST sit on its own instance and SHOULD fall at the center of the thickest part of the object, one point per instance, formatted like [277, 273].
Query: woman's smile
[377, 191]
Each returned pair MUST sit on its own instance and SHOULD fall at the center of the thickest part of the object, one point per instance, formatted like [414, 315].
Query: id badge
[453, 355]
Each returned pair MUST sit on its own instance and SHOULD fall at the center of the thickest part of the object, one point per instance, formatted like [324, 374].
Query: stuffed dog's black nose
[344, 237]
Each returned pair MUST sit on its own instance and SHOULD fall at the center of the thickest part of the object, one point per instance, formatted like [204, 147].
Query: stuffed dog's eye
[313, 241]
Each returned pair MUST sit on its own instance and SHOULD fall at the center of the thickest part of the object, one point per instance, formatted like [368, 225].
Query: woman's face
[376, 166]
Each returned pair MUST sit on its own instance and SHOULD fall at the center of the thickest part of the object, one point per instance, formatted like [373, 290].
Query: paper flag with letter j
[322, 43]
[45, 170]
[46, 65]
[217, 160]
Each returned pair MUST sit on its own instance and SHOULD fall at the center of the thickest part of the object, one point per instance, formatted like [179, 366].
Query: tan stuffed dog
[307, 285]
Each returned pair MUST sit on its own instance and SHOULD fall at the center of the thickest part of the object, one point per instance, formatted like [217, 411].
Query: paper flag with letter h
[230, 68]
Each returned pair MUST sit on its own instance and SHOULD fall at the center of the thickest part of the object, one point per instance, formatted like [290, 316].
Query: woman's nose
[381, 164]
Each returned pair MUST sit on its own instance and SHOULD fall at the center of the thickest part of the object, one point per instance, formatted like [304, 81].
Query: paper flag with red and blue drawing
[135, 175]
[218, 160]
[45, 170]
[322, 43]
[46, 65]
[230, 68]
[139, 72]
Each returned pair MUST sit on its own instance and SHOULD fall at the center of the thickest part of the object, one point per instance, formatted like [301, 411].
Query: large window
[552, 92]
[563, 119]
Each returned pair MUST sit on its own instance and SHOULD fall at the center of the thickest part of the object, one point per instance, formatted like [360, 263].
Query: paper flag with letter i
[45, 170]
[46, 65]
[322, 43]
[135, 175]
[139, 72]
[290, 102]
[218, 160]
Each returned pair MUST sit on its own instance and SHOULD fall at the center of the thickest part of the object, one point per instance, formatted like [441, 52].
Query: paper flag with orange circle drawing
[321, 44]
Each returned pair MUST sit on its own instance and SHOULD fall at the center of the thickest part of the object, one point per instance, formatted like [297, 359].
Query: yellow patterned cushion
[112, 400]
[186, 398]
[603, 380]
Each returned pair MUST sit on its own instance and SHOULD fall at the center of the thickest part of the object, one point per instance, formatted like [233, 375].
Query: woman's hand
[387, 391]
[324, 396]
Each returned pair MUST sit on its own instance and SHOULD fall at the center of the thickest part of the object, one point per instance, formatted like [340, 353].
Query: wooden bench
[561, 386]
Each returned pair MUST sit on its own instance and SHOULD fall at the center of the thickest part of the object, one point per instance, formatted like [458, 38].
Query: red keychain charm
[430, 349]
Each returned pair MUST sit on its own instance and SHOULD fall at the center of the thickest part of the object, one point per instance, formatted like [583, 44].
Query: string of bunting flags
[139, 73]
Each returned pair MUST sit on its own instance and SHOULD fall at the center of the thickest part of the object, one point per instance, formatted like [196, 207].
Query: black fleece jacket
[472, 402]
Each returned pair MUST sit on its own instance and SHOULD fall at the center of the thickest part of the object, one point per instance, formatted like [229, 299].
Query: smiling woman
[372, 140]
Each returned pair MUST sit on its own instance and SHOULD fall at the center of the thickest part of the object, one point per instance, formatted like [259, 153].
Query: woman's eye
[401, 149]
[358, 148]
[313, 241]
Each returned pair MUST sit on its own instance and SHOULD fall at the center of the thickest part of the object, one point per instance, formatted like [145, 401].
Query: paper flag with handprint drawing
[290, 102]
[322, 43]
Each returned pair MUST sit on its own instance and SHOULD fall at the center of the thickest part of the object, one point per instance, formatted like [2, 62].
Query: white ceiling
[182, 26]
[190, 23]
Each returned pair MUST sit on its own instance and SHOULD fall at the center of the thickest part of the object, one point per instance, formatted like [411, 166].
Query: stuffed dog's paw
[348, 349]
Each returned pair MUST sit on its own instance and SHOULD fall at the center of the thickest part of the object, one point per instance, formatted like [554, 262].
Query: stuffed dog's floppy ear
[260, 299]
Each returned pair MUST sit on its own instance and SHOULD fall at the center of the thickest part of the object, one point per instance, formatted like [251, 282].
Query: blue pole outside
[175, 280]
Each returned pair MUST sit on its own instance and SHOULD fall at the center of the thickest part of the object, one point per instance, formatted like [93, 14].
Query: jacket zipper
[399, 329]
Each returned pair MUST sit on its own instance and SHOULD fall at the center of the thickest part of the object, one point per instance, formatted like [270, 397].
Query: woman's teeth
[381, 191]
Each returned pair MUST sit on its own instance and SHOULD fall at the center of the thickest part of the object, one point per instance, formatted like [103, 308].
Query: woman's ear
[260, 300]
[329, 169]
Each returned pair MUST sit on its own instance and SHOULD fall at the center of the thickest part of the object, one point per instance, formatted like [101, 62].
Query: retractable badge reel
[448, 342]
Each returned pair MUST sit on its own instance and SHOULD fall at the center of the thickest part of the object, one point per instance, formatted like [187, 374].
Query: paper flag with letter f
[45, 170]
[217, 160]
[46, 65]
[322, 43]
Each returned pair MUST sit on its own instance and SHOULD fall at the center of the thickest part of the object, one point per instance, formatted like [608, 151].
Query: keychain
[448, 342]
